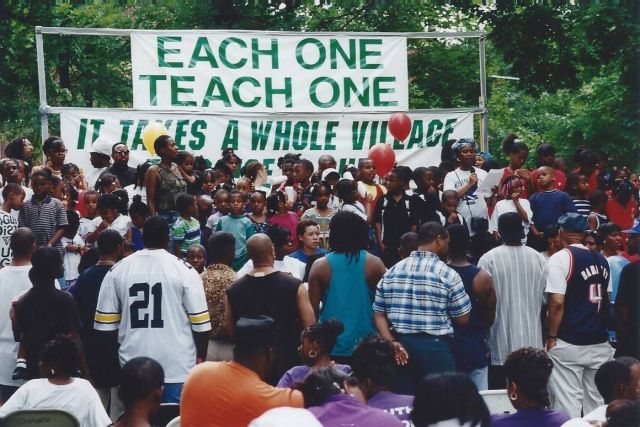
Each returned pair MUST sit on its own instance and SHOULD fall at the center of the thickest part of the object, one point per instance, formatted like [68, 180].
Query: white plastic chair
[40, 417]
[497, 401]
[174, 422]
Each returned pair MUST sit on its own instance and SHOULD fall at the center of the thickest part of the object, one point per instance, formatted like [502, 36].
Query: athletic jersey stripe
[108, 312]
[200, 318]
[198, 313]
[200, 323]
[107, 318]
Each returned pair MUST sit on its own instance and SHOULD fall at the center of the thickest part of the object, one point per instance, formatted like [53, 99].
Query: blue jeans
[480, 378]
[172, 392]
[428, 354]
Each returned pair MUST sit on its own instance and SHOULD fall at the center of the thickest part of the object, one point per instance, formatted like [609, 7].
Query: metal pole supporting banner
[484, 116]
[42, 86]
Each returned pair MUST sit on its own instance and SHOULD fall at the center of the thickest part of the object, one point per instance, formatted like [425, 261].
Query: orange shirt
[227, 394]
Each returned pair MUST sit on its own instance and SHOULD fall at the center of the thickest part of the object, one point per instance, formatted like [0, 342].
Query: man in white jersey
[156, 302]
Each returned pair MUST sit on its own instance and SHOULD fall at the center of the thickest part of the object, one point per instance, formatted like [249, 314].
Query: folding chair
[41, 418]
[497, 401]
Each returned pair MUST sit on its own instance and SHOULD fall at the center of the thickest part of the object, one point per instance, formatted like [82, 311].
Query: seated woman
[140, 390]
[329, 396]
[317, 342]
[528, 371]
[58, 389]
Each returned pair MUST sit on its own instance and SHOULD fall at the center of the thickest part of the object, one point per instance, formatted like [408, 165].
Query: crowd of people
[320, 296]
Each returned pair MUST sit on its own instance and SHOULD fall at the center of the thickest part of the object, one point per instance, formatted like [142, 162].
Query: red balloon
[400, 126]
[384, 158]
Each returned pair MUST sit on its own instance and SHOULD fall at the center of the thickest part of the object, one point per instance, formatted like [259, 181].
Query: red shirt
[561, 179]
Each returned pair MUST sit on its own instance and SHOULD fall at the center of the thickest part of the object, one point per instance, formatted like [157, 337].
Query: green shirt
[241, 227]
[186, 232]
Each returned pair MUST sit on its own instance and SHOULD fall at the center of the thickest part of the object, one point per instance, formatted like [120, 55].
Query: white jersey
[14, 280]
[154, 301]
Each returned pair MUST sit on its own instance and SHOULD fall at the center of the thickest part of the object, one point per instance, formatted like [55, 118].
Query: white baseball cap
[102, 146]
[327, 171]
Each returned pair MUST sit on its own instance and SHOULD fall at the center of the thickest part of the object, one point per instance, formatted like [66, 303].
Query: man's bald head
[22, 242]
[260, 249]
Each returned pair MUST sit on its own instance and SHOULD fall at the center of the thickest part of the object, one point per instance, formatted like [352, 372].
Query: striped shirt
[44, 219]
[186, 232]
[519, 276]
[582, 206]
[420, 294]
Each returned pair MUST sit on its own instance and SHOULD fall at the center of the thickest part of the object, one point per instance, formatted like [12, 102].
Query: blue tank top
[348, 299]
[585, 295]
[470, 348]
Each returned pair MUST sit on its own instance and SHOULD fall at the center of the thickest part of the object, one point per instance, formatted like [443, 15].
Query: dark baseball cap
[573, 222]
[510, 227]
[255, 331]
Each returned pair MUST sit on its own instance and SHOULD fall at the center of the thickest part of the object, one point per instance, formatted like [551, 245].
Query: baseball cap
[510, 227]
[633, 230]
[328, 171]
[573, 222]
[255, 331]
[101, 146]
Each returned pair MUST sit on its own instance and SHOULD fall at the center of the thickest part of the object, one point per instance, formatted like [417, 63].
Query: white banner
[346, 137]
[239, 71]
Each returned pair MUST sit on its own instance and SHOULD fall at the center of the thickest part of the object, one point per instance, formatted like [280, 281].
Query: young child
[107, 183]
[71, 175]
[186, 162]
[308, 233]
[511, 190]
[138, 212]
[621, 207]
[258, 214]
[347, 190]
[221, 202]
[73, 249]
[57, 189]
[110, 217]
[224, 176]
[208, 184]
[366, 176]
[395, 214]
[448, 214]
[244, 187]
[13, 199]
[321, 214]
[43, 214]
[279, 215]
[597, 216]
[10, 169]
[428, 200]
[578, 189]
[186, 230]
[302, 171]
[547, 206]
[239, 225]
[197, 257]
[90, 202]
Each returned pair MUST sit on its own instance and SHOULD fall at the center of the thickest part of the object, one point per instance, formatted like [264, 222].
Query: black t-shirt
[126, 175]
[396, 217]
[40, 316]
[101, 349]
[629, 297]
[273, 295]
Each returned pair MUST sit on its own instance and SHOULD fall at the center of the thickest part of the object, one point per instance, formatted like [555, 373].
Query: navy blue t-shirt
[548, 206]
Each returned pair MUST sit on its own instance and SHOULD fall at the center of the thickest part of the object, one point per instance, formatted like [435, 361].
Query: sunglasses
[125, 152]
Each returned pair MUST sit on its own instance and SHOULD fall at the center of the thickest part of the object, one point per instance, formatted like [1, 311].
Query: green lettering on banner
[433, 137]
[181, 132]
[82, 134]
[287, 91]
[378, 91]
[207, 56]
[365, 53]
[300, 136]
[322, 53]
[417, 134]
[256, 52]
[335, 50]
[358, 133]
[313, 92]
[260, 134]
[97, 124]
[176, 90]
[268, 165]
[342, 163]
[449, 126]
[124, 134]
[397, 145]
[231, 136]
[350, 86]
[330, 134]
[215, 84]
[163, 50]
[197, 128]
[223, 53]
[282, 135]
[313, 137]
[137, 137]
[236, 92]
[373, 137]
[153, 86]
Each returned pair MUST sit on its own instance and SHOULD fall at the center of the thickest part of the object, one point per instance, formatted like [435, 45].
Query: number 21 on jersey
[139, 309]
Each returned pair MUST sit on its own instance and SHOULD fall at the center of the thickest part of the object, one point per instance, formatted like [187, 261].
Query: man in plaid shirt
[415, 304]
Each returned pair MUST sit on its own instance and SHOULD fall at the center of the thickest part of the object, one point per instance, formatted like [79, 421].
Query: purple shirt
[342, 410]
[399, 405]
[297, 374]
[531, 417]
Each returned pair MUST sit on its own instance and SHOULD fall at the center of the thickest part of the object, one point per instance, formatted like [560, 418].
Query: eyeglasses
[123, 152]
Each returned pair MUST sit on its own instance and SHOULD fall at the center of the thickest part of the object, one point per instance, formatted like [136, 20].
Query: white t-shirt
[71, 260]
[121, 224]
[154, 300]
[471, 205]
[505, 206]
[560, 270]
[79, 398]
[212, 221]
[13, 282]
[86, 227]
[92, 174]
[357, 208]
[290, 265]
[8, 224]
[132, 190]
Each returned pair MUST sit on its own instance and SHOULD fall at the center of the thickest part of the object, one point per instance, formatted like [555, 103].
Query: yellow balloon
[150, 133]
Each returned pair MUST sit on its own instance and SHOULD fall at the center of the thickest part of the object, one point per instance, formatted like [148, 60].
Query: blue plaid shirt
[420, 294]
